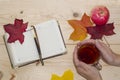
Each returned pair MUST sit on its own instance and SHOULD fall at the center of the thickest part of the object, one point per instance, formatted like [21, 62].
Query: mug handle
[98, 66]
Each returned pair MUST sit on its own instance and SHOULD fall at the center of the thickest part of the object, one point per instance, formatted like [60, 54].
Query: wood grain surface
[38, 11]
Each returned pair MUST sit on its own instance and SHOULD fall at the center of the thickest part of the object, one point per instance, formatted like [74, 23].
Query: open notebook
[48, 43]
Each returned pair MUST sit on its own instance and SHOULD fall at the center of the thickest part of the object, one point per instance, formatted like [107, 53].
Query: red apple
[100, 15]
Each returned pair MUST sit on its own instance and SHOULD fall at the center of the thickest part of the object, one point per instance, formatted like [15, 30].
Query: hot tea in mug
[88, 53]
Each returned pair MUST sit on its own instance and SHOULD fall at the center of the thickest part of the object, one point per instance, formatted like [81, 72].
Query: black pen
[38, 46]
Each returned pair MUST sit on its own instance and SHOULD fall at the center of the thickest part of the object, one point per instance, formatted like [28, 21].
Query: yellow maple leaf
[68, 75]
[79, 26]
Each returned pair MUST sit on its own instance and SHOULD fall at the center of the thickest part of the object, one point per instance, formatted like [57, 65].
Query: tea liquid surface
[88, 53]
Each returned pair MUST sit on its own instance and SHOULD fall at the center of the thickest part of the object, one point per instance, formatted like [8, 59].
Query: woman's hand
[87, 71]
[107, 54]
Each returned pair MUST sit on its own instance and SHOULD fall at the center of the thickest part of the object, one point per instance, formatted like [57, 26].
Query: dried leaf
[97, 32]
[12, 77]
[38, 62]
[79, 26]
[68, 75]
[79, 33]
[1, 75]
[86, 21]
[16, 30]
[55, 77]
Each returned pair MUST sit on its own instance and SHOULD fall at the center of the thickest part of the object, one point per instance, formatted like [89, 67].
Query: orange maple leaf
[80, 32]
[86, 21]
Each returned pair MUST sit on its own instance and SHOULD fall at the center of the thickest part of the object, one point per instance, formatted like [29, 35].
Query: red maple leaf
[16, 30]
[97, 32]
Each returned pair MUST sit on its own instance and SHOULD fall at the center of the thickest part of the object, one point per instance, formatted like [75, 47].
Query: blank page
[22, 53]
[50, 39]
